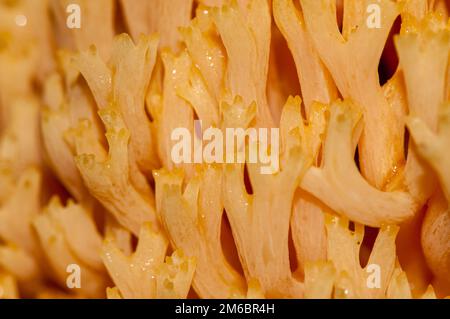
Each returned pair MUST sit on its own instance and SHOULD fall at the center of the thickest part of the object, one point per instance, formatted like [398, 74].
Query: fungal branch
[315, 80]
[308, 217]
[424, 48]
[260, 221]
[193, 219]
[381, 145]
[174, 111]
[204, 46]
[341, 275]
[108, 175]
[129, 61]
[118, 179]
[317, 85]
[339, 184]
[246, 36]
[58, 229]
[148, 273]
[135, 62]
[351, 279]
